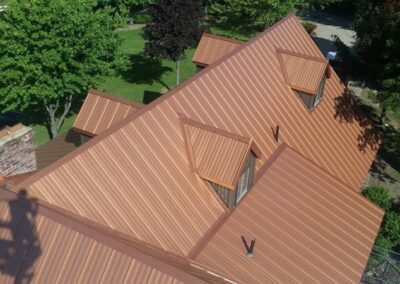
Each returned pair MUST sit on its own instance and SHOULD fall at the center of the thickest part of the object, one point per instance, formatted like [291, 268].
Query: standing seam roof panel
[100, 111]
[287, 212]
[212, 47]
[51, 249]
[244, 94]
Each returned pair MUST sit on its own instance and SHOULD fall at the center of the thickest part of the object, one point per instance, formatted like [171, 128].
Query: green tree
[381, 196]
[131, 6]
[250, 16]
[175, 26]
[377, 26]
[51, 52]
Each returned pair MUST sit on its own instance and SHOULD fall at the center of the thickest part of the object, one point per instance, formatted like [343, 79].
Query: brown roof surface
[302, 72]
[308, 226]
[43, 245]
[216, 155]
[135, 177]
[11, 181]
[57, 148]
[100, 111]
[212, 47]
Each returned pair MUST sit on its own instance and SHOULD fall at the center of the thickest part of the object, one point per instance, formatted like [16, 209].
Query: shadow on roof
[19, 252]
[349, 109]
[149, 96]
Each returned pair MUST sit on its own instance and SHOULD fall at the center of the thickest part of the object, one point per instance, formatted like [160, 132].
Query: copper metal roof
[212, 47]
[302, 72]
[39, 244]
[308, 226]
[135, 177]
[100, 111]
[57, 148]
[216, 155]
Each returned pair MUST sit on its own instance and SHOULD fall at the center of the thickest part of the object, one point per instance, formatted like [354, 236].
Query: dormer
[305, 75]
[224, 159]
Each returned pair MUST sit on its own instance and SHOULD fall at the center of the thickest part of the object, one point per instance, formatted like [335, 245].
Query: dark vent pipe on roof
[275, 132]
[249, 249]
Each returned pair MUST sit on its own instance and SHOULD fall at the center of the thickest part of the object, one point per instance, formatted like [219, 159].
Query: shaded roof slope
[212, 47]
[308, 226]
[39, 244]
[135, 177]
[303, 73]
[100, 111]
[216, 155]
[57, 148]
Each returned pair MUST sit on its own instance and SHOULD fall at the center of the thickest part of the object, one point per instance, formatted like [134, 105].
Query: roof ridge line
[213, 129]
[146, 108]
[301, 55]
[115, 98]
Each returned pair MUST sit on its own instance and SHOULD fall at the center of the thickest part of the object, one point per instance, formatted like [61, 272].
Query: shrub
[391, 228]
[383, 243]
[310, 27]
[141, 18]
[380, 196]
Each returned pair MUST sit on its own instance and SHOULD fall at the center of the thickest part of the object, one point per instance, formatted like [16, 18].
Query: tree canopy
[250, 16]
[51, 52]
[175, 26]
[377, 26]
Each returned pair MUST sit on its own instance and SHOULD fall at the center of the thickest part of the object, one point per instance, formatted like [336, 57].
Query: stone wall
[17, 151]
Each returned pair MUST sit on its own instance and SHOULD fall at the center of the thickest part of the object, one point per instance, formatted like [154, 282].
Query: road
[329, 25]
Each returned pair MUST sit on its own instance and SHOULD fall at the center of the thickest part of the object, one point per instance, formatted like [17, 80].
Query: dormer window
[310, 100]
[247, 177]
[305, 75]
[224, 159]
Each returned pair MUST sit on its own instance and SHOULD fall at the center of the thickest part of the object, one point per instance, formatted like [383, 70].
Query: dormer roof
[212, 47]
[217, 155]
[101, 110]
[302, 72]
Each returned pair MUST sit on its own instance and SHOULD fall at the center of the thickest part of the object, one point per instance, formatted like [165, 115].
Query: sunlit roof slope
[100, 111]
[212, 47]
[136, 177]
[303, 73]
[308, 227]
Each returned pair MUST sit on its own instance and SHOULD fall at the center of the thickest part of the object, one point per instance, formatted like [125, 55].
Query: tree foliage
[51, 52]
[250, 16]
[325, 3]
[175, 26]
[377, 25]
[130, 5]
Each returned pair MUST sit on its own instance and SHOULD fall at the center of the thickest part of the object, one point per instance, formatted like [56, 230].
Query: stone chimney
[17, 151]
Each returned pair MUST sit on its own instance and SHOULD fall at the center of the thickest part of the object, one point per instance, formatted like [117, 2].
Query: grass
[145, 77]
[143, 81]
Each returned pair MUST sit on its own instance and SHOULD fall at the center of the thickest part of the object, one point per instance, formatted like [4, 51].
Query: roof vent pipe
[249, 249]
[275, 132]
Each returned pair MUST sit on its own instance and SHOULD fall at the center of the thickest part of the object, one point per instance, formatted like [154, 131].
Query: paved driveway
[329, 25]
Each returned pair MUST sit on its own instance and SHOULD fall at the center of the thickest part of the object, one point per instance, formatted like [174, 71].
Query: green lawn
[144, 80]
